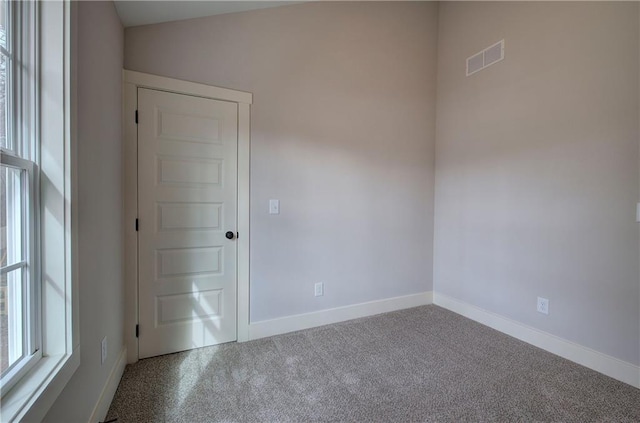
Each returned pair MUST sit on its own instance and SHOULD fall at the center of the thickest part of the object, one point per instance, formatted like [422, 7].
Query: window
[39, 343]
[19, 215]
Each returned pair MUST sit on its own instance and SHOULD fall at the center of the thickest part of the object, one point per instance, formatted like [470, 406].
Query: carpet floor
[421, 364]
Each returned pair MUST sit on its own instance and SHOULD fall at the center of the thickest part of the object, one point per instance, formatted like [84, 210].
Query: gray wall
[342, 133]
[537, 168]
[100, 197]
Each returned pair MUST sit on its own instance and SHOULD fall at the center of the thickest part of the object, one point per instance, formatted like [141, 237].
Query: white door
[187, 200]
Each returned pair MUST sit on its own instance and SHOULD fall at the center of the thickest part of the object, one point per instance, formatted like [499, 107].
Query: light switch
[274, 206]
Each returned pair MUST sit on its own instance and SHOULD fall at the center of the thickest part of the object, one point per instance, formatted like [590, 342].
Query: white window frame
[21, 129]
[29, 264]
[54, 120]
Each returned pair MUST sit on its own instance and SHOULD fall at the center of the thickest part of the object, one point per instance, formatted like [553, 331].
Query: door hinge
[136, 116]
[137, 331]
[137, 225]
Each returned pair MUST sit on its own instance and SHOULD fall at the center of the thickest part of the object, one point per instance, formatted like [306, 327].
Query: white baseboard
[109, 390]
[334, 315]
[605, 364]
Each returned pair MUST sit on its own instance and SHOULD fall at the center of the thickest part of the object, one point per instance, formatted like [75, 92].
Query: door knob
[229, 235]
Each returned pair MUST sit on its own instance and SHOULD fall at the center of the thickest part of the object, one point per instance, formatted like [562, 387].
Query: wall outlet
[319, 289]
[274, 206]
[543, 305]
[103, 350]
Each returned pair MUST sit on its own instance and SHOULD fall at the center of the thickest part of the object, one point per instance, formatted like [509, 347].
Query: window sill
[32, 397]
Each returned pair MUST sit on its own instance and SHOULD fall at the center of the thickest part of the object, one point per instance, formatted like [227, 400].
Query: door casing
[131, 82]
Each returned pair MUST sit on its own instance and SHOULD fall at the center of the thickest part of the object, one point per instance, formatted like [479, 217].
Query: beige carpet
[421, 364]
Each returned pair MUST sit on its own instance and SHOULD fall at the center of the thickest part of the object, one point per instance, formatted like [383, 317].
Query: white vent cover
[475, 63]
[485, 58]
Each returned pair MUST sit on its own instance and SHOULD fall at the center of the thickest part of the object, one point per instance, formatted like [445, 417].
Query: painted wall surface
[537, 168]
[342, 133]
[100, 205]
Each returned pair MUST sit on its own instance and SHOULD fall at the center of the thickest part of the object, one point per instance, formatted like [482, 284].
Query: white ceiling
[133, 13]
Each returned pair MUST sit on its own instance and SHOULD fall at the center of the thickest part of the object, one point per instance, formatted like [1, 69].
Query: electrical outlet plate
[274, 206]
[543, 305]
[103, 350]
[319, 289]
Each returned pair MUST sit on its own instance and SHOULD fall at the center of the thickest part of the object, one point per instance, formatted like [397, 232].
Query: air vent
[485, 58]
[475, 63]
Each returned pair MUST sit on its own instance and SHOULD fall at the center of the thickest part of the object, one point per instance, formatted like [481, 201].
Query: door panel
[187, 176]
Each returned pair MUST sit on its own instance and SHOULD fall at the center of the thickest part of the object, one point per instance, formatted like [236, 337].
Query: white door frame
[131, 82]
